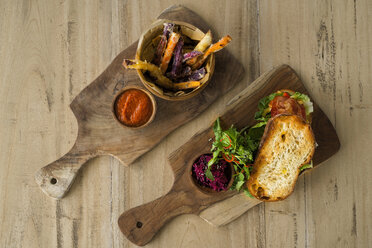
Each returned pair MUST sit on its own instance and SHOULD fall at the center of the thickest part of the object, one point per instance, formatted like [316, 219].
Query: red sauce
[133, 108]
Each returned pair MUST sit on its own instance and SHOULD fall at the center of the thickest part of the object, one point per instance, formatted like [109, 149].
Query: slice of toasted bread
[287, 143]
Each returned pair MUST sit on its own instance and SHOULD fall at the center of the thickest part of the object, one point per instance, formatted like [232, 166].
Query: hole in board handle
[139, 224]
[53, 180]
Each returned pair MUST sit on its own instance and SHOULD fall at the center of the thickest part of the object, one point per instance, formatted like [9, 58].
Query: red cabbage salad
[220, 171]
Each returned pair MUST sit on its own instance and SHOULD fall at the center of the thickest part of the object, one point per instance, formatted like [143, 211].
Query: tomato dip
[133, 108]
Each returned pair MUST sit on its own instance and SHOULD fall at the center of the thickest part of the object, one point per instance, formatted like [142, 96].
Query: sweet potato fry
[197, 74]
[212, 49]
[190, 55]
[193, 60]
[186, 71]
[205, 42]
[172, 42]
[186, 85]
[177, 59]
[168, 28]
[218, 45]
[160, 50]
[154, 71]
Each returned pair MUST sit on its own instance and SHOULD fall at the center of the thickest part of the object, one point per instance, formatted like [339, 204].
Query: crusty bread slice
[287, 143]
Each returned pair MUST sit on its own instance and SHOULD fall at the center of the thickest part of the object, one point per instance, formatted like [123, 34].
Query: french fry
[193, 60]
[198, 74]
[186, 85]
[177, 59]
[160, 50]
[154, 71]
[212, 49]
[161, 79]
[186, 71]
[168, 28]
[190, 55]
[204, 43]
[172, 42]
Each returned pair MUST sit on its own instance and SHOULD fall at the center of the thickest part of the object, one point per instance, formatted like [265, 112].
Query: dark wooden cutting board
[141, 223]
[100, 134]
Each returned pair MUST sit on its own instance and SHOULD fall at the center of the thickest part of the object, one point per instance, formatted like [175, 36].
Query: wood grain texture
[100, 134]
[51, 50]
[140, 224]
[326, 43]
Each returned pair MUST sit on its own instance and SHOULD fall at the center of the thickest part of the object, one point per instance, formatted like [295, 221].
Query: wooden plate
[140, 224]
[100, 134]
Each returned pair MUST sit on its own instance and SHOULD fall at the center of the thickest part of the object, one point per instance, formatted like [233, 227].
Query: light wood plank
[51, 51]
[328, 44]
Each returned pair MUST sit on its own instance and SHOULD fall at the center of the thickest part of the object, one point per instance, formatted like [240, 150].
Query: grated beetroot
[220, 172]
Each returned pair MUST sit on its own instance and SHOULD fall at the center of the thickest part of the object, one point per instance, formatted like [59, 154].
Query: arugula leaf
[241, 177]
[256, 132]
[263, 119]
[263, 104]
[209, 174]
[247, 171]
[239, 185]
[225, 140]
[214, 158]
[259, 124]
[247, 193]
[307, 166]
[233, 134]
[217, 129]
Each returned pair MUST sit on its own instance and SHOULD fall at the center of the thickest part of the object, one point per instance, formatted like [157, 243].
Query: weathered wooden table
[50, 50]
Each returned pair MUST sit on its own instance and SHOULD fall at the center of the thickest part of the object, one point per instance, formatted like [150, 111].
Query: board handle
[140, 224]
[56, 178]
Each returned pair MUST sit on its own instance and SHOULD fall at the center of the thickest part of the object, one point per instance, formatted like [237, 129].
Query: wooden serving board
[100, 134]
[141, 223]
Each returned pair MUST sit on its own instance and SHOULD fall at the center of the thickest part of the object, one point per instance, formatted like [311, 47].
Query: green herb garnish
[237, 148]
[247, 193]
[263, 113]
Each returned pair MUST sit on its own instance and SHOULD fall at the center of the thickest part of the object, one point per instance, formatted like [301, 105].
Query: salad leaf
[239, 185]
[302, 97]
[309, 108]
[307, 166]
[247, 193]
[263, 104]
[241, 176]
[209, 174]
[217, 129]
[259, 124]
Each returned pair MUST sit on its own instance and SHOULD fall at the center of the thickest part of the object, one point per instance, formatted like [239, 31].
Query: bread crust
[271, 129]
